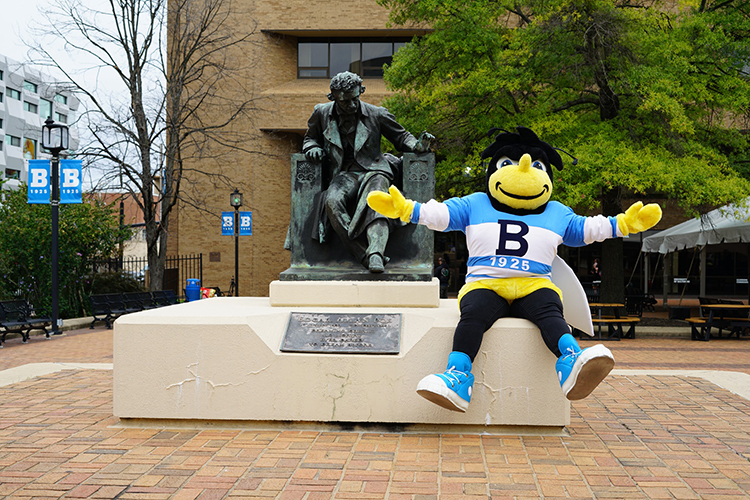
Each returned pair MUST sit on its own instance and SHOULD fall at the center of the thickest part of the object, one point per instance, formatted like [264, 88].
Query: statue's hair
[346, 80]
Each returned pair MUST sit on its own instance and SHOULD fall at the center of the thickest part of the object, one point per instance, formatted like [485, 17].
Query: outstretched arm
[391, 204]
[638, 218]
[451, 215]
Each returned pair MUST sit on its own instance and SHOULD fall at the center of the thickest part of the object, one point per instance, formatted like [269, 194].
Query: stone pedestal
[219, 360]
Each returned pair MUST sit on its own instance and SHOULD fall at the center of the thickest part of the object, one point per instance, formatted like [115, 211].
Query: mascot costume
[512, 234]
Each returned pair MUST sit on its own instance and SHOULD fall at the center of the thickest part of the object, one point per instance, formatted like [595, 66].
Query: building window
[12, 140]
[30, 107]
[1, 123]
[1, 97]
[13, 93]
[45, 108]
[323, 58]
[61, 117]
[29, 87]
[12, 174]
[1, 74]
[61, 99]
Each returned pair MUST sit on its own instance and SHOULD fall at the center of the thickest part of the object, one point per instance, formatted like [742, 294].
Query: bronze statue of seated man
[345, 135]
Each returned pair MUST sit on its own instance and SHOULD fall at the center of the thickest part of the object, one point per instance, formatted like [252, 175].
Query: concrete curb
[33, 370]
[662, 332]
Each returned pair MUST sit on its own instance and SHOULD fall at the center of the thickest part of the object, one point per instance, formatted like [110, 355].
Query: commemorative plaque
[343, 333]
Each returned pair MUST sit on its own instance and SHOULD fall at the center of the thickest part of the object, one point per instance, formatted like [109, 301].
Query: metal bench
[17, 316]
[164, 297]
[106, 307]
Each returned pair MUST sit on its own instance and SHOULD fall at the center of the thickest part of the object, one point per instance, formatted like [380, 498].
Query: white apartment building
[27, 98]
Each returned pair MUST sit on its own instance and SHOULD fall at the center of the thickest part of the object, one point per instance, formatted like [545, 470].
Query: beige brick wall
[263, 175]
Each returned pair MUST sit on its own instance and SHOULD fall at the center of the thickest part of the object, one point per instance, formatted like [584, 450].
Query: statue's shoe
[376, 264]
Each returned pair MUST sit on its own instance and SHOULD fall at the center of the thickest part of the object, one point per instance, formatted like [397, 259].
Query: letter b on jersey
[511, 238]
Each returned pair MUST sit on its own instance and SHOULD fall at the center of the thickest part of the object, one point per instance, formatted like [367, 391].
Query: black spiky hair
[514, 145]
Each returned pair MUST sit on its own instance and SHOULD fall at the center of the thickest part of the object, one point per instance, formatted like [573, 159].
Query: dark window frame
[30, 107]
[333, 40]
[30, 87]
[44, 103]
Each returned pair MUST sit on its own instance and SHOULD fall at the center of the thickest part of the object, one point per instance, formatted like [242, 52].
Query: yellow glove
[638, 218]
[392, 205]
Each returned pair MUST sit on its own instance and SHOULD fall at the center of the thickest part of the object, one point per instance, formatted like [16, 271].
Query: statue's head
[346, 87]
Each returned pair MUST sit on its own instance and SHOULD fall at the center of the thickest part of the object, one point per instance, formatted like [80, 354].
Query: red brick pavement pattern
[634, 437]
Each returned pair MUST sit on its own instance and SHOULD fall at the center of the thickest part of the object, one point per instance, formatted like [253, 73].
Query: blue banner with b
[227, 223]
[39, 181]
[246, 223]
[70, 181]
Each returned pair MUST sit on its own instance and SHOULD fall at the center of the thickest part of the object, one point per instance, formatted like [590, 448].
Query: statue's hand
[392, 205]
[314, 154]
[638, 218]
[424, 141]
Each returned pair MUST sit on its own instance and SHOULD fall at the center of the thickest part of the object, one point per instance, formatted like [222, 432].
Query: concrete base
[219, 360]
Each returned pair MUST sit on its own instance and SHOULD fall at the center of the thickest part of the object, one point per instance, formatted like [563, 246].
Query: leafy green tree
[652, 97]
[86, 231]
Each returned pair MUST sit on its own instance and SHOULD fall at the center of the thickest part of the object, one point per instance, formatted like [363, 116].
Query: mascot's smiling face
[519, 175]
[522, 184]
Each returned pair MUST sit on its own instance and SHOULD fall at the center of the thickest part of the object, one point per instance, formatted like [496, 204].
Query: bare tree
[173, 60]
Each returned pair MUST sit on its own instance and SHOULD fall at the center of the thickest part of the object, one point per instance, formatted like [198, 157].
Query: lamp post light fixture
[235, 199]
[55, 139]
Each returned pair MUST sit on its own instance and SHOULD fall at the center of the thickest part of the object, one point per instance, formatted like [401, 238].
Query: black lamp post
[55, 139]
[235, 199]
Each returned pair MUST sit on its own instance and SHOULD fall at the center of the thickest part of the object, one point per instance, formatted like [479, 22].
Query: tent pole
[646, 269]
[665, 279]
[703, 270]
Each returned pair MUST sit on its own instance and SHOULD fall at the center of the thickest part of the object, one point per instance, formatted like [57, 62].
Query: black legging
[480, 309]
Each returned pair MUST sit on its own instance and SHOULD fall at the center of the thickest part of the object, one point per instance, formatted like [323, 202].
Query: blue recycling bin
[193, 289]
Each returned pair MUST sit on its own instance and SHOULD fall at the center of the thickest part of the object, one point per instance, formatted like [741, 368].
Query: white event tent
[728, 224]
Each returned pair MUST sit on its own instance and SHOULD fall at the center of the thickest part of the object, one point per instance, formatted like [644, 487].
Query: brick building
[299, 46]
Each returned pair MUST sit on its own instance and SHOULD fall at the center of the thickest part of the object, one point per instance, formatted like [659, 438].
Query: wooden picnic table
[613, 320]
[734, 317]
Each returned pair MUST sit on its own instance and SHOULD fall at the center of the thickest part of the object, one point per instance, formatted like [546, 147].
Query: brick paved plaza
[637, 436]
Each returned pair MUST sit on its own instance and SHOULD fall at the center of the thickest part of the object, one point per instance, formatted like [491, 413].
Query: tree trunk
[613, 274]
[155, 267]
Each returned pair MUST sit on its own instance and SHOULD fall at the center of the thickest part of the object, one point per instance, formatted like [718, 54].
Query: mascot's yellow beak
[521, 185]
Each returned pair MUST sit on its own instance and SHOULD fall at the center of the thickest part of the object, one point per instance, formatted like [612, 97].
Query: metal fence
[177, 269]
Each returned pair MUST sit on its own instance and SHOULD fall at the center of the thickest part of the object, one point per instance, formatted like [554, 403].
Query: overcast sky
[15, 20]
[17, 16]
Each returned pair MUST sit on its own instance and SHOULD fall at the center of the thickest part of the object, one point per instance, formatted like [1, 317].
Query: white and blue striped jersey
[504, 245]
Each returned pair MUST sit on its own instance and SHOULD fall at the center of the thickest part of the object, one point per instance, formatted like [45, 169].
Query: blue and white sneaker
[581, 371]
[451, 389]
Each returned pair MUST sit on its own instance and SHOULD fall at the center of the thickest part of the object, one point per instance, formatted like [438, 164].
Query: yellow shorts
[509, 288]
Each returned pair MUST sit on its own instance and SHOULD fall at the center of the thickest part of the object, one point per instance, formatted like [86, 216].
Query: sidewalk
[644, 433]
